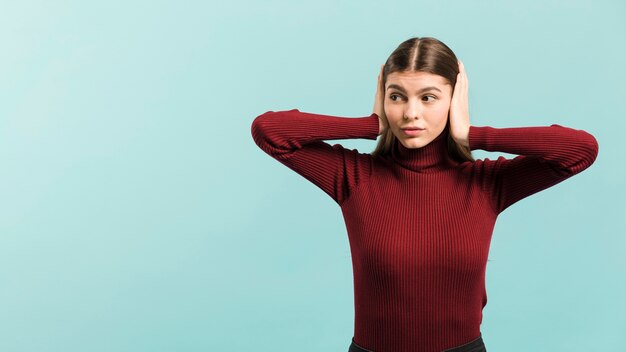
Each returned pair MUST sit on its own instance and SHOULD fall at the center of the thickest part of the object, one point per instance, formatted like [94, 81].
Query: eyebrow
[419, 91]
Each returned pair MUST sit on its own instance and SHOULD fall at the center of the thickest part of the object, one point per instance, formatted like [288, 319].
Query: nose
[412, 111]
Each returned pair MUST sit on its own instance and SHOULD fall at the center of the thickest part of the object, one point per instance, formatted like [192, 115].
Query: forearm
[570, 149]
[282, 131]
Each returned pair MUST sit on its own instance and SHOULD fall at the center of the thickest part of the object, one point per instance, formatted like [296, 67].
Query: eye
[393, 95]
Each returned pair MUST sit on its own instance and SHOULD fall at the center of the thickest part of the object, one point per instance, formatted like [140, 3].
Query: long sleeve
[547, 156]
[295, 139]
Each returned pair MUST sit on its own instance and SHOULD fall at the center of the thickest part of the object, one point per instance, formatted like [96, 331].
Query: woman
[419, 210]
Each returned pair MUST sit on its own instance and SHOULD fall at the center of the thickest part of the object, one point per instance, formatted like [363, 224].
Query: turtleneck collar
[432, 157]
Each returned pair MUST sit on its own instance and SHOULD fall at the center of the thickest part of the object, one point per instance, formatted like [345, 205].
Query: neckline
[432, 157]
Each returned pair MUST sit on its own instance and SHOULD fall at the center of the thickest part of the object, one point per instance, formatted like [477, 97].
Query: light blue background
[137, 214]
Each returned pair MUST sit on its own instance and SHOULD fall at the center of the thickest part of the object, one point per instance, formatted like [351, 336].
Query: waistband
[476, 345]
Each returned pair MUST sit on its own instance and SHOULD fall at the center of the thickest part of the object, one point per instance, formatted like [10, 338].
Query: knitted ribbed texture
[419, 223]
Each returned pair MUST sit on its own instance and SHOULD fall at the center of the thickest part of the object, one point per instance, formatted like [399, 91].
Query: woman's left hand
[459, 109]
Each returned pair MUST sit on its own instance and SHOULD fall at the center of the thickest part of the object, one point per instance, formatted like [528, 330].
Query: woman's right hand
[379, 100]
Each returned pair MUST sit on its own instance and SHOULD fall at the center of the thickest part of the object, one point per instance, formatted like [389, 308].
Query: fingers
[381, 88]
[462, 74]
[461, 80]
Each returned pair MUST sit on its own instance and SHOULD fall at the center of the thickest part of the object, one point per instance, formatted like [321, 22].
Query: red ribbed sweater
[419, 223]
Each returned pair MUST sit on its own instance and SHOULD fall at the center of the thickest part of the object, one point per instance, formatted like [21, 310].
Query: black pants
[472, 346]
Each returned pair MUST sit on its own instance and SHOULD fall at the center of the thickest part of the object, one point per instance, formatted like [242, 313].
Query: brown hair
[425, 54]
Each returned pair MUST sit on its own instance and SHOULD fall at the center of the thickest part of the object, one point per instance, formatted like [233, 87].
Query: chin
[415, 142]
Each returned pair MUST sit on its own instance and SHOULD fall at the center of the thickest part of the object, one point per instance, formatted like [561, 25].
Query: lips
[412, 128]
[412, 132]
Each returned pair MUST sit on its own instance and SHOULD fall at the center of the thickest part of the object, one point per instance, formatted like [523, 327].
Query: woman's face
[417, 99]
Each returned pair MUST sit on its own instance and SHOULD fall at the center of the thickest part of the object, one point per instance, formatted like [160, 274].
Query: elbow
[593, 148]
[267, 132]
[258, 129]
[587, 151]
[590, 150]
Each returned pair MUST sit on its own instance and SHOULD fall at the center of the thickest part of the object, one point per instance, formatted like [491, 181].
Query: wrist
[464, 138]
[382, 126]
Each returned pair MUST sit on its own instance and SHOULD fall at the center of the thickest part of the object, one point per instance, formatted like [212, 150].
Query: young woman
[419, 210]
